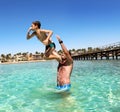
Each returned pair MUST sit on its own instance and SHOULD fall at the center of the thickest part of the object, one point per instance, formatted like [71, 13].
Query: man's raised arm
[65, 49]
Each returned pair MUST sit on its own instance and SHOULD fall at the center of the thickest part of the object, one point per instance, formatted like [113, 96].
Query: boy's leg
[57, 56]
[52, 54]
[53, 57]
[48, 52]
[49, 49]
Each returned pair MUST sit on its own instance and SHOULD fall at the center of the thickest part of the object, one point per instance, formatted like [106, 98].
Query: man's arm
[65, 49]
[30, 35]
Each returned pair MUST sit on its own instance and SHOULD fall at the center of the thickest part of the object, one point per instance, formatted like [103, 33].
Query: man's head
[35, 25]
[63, 56]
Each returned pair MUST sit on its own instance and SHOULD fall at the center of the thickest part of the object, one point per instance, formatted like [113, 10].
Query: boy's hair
[37, 23]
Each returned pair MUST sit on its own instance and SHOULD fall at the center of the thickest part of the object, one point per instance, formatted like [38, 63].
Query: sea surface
[30, 87]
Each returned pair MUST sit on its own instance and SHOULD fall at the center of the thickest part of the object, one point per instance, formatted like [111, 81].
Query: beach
[18, 62]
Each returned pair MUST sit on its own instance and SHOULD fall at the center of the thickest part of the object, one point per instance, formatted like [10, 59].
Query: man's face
[63, 56]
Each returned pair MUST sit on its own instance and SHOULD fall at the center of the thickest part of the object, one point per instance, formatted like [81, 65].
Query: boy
[45, 37]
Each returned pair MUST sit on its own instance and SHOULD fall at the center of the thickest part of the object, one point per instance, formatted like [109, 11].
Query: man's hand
[58, 37]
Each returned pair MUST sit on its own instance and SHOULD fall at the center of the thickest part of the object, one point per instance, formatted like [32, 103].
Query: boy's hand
[29, 29]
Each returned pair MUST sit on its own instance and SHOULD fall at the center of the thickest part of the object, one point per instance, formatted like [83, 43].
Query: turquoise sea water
[29, 87]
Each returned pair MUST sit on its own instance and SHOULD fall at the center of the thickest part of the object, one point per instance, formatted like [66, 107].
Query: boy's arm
[65, 50]
[30, 35]
[48, 32]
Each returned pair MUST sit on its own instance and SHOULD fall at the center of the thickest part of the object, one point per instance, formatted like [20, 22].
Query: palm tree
[83, 50]
[25, 56]
[97, 49]
[37, 52]
[25, 53]
[90, 49]
[3, 55]
[3, 58]
[72, 51]
[42, 55]
[78, 51]
[8, 56]
[31, 55]
[19, 53]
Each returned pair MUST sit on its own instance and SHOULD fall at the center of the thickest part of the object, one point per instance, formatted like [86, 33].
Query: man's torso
[64, 72]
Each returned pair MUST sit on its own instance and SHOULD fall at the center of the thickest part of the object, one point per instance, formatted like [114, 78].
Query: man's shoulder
[69, 62]
[69, 59]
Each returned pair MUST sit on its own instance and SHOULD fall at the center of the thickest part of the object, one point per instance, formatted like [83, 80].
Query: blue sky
[80, 23]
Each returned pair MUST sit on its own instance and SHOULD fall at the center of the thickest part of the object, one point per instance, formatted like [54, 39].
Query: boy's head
[36, 24]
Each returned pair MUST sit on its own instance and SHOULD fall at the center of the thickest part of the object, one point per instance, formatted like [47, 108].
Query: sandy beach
[32, 61]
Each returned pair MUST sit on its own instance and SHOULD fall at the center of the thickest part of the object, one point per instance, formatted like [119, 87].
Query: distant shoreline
[22, 62]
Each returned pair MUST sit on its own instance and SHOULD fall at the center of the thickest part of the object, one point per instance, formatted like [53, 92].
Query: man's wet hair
[37, 23]
[60, 52]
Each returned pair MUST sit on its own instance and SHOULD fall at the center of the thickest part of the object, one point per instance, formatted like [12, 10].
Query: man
[45, 37]
[64, 68]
